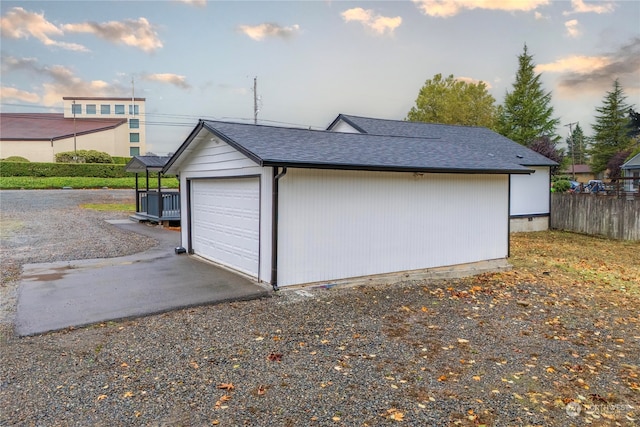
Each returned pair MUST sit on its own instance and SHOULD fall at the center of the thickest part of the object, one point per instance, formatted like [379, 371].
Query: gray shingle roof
[633, 163]
[279, 146]
[467, 137]
[146, 163]
[50, 126]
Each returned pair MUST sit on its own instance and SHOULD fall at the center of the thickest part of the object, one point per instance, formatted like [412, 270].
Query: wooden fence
[609, 216]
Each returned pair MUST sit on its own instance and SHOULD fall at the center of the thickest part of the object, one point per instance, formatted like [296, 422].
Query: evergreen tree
[527, 113]
[454, 102]
[634, 124]
[577, 146]
[611, 128]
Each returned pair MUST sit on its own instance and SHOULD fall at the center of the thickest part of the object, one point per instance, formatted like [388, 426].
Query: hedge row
[33, 169]
[120, 160]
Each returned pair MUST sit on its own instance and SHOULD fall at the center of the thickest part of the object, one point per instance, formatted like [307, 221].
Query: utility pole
[255, 100]
[573, 149]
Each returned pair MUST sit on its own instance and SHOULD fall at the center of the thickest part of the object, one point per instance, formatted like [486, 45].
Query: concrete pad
[60, 295]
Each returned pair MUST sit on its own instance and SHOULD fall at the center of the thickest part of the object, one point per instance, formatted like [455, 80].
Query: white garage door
[226, 222]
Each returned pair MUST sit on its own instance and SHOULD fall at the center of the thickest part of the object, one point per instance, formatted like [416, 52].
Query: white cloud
[18, 95]
[59, 81]
[579, 6]
[377, 23]
[448, 8]
[137, 33]
[575, 64]
[573, 28]
[261, 31]
[596, 73]
[174, 79]
[18, 23]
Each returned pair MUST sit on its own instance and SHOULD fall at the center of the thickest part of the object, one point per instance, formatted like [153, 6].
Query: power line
[150, 118]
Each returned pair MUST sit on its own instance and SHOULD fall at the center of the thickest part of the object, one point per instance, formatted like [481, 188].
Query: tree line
[527, 117]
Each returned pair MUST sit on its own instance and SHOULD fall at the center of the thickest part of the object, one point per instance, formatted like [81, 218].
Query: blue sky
[312, 59]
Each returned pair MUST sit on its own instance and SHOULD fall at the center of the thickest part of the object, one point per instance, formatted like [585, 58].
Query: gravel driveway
[463, 352]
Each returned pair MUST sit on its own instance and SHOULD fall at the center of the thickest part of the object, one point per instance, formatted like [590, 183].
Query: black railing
[159, 205]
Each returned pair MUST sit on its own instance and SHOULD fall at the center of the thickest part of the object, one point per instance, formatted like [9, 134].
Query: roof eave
[382, 168]
[251, 155]
[183, 147]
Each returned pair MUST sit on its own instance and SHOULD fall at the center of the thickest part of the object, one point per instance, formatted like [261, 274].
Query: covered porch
[153, 204]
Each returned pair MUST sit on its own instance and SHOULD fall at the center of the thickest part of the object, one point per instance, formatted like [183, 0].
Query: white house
[295, 206]
[530, 196]
[631, 169]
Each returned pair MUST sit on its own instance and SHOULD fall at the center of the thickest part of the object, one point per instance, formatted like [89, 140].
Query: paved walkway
[60, 295]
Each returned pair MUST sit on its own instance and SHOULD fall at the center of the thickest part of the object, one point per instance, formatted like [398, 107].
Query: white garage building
[530, 198]
[295, 206]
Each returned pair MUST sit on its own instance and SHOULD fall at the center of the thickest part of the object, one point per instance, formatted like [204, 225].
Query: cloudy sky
[196, 59]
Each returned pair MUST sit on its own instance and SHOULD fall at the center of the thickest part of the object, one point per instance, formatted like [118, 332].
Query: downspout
[274, 226]
[509, 216]
[159, 199]
[550, 200]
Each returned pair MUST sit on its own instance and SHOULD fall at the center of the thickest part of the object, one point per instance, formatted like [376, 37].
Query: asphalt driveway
[64, 294]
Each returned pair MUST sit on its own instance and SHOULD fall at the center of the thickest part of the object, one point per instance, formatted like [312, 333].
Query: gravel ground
[466, 352]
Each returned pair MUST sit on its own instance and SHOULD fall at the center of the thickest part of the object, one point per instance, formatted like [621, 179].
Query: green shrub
[120, 160]
[33, 169]
[561, 186]
[16, 159]
[83, 156]
[28, 183]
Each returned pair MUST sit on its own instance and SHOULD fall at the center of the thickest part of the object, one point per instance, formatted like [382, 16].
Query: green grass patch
[110, 207]
[9, 226]
[46, 183]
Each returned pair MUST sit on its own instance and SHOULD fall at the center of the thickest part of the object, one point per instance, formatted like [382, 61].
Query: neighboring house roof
[50, 126]
[468, 137]
[146, 163]
[632, 163]
[578, 169]
[289, 147]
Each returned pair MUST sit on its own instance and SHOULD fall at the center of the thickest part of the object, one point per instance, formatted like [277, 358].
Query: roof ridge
[409, 121]
[319, 131]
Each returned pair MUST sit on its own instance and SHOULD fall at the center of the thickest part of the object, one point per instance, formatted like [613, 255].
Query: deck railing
[163, 205]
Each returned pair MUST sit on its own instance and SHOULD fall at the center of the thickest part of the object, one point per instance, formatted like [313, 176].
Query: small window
[91, 108]
[119, 109]
[105, 109]
[134, 109]
[134, 151]
[134, 137]
[76, 109]
[134, 123]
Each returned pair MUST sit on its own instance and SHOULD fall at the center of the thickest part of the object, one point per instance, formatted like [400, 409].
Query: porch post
[137, 195]
[159, 199]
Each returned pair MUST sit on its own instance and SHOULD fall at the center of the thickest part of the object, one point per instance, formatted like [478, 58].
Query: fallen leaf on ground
[275, 357]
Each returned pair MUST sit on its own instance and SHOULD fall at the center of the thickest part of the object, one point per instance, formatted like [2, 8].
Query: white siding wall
[212, 157]
[340, 224]
[342, 126]
[530, 193]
